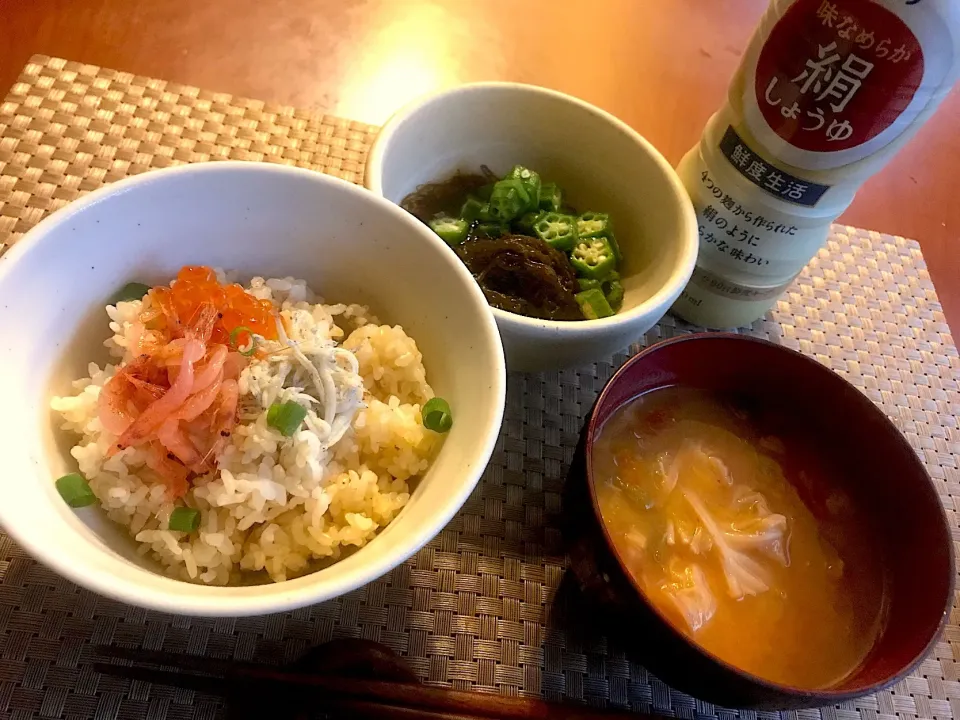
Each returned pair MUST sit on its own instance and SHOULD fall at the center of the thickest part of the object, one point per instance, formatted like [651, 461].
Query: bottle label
[753, 244]
[727, 288]
[836, 80]
[778, 183]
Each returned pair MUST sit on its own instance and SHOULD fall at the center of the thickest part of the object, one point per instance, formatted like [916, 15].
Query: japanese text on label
[829, 83]
[765, 176]
[834, 74]
[867, 39]
[721, 286]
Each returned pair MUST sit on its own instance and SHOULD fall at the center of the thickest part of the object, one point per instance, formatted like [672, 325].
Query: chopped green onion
[509, 200]
[184, 519]
[75, 490]
[286, 417]
[614, 292]
[484, 213]
[611, 238]
[593, 304]
[593, 258]
[557, 230]
[490, 229]
[593, 224]
[436, 415]
[525, 223]
[451, 230]
[130, 291]
[234, 340]
[551, 197]
[531, 183]
[472, 209]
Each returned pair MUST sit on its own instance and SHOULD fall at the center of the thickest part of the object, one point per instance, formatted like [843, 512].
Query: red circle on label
[834, 74]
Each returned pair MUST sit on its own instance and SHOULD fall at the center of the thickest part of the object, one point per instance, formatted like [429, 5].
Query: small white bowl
[257, 219]
[600, 162]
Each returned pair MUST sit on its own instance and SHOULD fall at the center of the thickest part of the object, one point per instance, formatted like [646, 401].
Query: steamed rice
[275, 504]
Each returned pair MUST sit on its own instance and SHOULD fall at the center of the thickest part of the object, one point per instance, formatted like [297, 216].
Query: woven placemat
[477, 607]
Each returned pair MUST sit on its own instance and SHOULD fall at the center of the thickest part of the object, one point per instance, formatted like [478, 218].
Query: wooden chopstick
[345, 707]
[200, 683]
[366, 698]
[198, 663]
[369, 710]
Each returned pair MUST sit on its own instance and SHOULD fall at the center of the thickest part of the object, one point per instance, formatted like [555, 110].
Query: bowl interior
[876, 465]
[599, 162]
[256, 220]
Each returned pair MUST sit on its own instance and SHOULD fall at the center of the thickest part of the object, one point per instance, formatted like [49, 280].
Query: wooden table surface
[660, 65]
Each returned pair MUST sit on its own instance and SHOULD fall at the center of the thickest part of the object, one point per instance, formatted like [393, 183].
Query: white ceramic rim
[213, 601]
[372, 180]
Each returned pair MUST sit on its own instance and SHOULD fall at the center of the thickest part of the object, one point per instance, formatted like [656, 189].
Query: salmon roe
[197, 285]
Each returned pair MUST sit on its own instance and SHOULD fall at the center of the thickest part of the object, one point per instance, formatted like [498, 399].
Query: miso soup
[736, 530]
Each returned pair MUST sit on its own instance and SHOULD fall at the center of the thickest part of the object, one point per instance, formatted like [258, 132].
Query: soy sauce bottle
[827, 92]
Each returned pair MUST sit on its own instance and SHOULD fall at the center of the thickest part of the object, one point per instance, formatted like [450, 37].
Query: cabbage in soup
[730, 523]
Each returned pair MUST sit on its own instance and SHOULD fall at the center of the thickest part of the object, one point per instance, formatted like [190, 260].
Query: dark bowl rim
[826, 694]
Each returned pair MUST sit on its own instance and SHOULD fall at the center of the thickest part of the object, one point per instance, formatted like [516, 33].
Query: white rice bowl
[276, 507]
